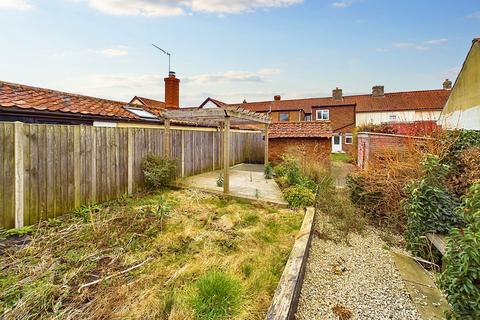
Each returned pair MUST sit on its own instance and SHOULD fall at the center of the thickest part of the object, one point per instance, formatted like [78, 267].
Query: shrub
[299, 196]
[268, 171]
[460, 278]
[158, 172]
[429, 206]
[218, 296]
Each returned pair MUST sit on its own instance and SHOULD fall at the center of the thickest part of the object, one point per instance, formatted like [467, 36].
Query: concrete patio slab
[246, 181]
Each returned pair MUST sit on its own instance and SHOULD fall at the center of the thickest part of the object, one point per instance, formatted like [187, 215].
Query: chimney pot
[277, 98]
[447, 84]
[378, 91]
[244, 100]
[172, 90]
[337, 94]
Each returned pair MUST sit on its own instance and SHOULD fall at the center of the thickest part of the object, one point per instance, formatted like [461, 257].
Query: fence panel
[47, 170]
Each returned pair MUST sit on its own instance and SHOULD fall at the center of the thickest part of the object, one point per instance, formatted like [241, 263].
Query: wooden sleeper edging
[285, 301]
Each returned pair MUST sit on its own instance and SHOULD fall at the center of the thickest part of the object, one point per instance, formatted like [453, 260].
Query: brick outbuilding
[311, 140]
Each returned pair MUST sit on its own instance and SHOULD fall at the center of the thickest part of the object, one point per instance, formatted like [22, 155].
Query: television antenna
[169, 57]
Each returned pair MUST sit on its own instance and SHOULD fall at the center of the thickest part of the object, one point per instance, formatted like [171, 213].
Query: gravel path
[353, 280]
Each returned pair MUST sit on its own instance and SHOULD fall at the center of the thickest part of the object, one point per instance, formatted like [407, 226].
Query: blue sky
[235, 49]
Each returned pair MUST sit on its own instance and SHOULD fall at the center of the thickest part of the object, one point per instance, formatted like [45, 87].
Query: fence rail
[48, 170]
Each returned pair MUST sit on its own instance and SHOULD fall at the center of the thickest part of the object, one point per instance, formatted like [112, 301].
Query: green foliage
[429, 206]
[460, 278]
[462, 140]
[299, 196]
[18, 232]
[163, 210]
[158, 172]
[268, 171]
[220, 180]
[218, 296]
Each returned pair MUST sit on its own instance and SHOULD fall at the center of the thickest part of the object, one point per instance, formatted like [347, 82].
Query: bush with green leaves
[218, 296]
[429, 206]
[460, 278]
[299, 196]
[220, 180]
[158, 172]
[268, 171]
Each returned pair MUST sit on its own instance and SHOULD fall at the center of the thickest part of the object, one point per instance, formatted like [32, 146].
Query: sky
[236, 49]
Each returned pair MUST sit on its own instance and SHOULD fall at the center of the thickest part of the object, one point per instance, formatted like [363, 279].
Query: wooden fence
[47, 170]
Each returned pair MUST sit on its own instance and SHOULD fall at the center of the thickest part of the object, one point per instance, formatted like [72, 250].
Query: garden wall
[48, 170]
[372, 146]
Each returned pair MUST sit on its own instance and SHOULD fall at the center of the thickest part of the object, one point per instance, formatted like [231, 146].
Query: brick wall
[316, 149]
[342, 117]
[372, 146]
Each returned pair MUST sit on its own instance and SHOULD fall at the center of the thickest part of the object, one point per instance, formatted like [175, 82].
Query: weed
[218, 296]
[18, 232]
[158, 172]
[220, 180]
[268, 171]
[250, 219]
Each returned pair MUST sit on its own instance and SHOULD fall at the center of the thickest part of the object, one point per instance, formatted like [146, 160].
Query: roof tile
[303, 129]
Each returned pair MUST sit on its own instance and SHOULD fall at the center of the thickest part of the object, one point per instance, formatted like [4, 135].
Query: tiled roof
[27, 97]
[152, 103]
[303, 129]
[396, 101]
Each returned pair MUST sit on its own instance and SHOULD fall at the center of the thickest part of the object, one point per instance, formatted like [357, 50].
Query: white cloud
[182, 7]
[116, 51]
[112, 52]
[15, 5]
[341, 4]
[475, 15]
[233, 76]
[421, 46]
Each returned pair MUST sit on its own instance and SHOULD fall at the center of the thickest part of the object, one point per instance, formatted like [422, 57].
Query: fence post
[166, 139]
[183, 153]
[266, 145]
[130, 161]
[18, 142]
[94, 165]
[213, 152]
[226, 155]
[76, 166]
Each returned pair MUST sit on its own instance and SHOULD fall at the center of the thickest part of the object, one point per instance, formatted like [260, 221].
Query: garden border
[285, 301]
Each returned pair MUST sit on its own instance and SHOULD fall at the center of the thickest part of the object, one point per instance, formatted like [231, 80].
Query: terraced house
[347, 112]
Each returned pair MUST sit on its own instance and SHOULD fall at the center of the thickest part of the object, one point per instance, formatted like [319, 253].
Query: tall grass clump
[218, 296]
[158, 172]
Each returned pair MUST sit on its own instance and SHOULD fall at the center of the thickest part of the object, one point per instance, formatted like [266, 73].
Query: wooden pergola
[223, 118]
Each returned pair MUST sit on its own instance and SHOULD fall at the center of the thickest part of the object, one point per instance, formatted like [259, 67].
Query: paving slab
[428, 299]
[246, 181]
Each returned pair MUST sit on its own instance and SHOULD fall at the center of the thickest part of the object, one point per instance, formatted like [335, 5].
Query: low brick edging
[285, 301]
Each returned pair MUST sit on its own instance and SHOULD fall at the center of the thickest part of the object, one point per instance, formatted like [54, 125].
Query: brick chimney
[277, 98]
[172, 90]
[337, 94]
[378, 91]
[447, 84]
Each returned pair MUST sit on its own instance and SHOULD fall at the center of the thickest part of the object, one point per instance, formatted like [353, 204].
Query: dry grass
[201, 233]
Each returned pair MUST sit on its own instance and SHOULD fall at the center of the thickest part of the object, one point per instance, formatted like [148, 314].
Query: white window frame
[348, 136]
[322, 114]
[308, 117]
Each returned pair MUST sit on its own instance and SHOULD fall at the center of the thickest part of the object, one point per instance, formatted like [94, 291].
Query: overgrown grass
[341, 157]
[200, 233]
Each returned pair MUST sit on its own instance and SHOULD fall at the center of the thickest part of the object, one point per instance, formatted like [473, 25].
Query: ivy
[429, 206]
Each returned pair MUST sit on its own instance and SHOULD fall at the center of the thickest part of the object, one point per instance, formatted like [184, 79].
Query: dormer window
[284, 116]
[323, 114]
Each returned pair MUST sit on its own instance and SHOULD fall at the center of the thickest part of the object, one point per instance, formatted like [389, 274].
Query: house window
[392, 117]
[323, 114]
[308, 117]
[284, 117]
[348, 138]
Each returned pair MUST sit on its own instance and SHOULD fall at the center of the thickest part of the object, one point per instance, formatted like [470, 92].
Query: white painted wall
[364, 118]
[467, 119]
